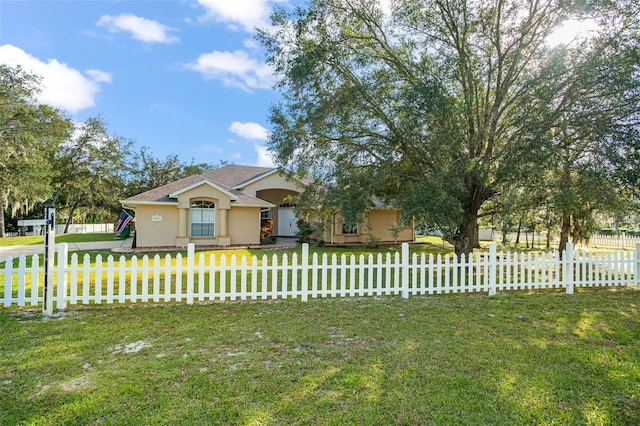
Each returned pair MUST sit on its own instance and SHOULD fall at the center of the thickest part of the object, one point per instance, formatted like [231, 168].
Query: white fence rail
[197, 277]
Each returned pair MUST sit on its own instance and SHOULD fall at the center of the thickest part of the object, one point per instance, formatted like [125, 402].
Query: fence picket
[98, 279]
[110, 279]
[156, 278]
[233, 277]
[254, 277]
[243, 279]
[178, 275]
[63, 261]
[35, 279]
[145, 278]
[73, 291]
[265, 278]
[122, 280]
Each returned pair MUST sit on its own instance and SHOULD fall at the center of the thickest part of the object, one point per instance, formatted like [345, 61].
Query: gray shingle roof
[225, 177]
[233, 176]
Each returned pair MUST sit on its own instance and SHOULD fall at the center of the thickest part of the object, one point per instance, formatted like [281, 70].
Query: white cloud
[254, 132]
[251, 44]
[140, 28]
[265, 159]
[247, 14]
[236, 69]
[99, 76]
[62, 86]
[251, 131]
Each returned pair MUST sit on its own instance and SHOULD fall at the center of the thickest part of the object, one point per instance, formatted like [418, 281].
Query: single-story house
[229, 205]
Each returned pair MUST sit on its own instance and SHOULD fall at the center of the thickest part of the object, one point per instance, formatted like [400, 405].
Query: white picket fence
[622, 241]
[602, 241]
[223, 278]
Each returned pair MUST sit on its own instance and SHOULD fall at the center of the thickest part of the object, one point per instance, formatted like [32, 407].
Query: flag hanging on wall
[124, 220]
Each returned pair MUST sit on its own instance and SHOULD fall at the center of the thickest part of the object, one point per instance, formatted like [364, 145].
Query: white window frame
[202, 212]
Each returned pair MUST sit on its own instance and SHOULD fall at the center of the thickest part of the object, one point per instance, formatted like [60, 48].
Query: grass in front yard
[60, 238]
[544, 358]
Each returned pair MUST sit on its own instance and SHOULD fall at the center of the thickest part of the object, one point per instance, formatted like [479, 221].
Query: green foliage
[30, 134]
[305, 230]
[439, 106]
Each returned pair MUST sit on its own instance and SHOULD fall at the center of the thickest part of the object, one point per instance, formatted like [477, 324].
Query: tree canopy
[29, 135]
[439, 105]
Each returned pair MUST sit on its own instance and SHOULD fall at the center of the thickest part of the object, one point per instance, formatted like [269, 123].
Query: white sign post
[49, 245]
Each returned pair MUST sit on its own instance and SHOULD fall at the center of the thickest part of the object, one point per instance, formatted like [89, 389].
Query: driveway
[17, 251]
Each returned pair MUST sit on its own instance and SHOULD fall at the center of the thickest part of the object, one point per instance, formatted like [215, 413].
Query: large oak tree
[440, 104]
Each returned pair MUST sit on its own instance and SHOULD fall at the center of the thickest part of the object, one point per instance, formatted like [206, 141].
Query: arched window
[203, 218]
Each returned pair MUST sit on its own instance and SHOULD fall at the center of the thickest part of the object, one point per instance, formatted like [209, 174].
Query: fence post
[304, 267]
[493, 268]
[636, 263]
[190, 271]
[567, 266]
[63, 260]
[405, 270]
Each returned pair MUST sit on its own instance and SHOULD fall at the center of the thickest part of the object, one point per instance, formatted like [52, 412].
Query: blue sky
[182, 77]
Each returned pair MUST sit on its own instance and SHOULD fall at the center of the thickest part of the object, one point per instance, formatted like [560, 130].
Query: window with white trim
[203, 218]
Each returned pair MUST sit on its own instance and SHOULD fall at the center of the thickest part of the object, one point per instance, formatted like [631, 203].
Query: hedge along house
[223, 207]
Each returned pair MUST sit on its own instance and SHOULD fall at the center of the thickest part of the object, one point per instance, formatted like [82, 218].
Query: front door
[287, 222]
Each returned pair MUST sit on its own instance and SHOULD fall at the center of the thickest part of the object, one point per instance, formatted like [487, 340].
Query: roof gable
[213, 185]
[166, 194]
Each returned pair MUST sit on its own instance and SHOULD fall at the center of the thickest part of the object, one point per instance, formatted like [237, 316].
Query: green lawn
[517, 359]
[60, 238]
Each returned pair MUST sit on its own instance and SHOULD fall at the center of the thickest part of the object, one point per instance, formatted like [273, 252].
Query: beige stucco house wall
[375, 228]
[243, 199]
[156, 225]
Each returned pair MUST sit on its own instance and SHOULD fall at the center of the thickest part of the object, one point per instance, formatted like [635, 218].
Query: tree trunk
[564, 232]
[463, 240]
[2, 207]
[505, 231]
[533, 238]
[466, 236]
[71, 211]
[518, 232]
[476, 236]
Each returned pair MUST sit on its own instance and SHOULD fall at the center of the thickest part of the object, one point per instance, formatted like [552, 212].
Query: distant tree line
[83, 169]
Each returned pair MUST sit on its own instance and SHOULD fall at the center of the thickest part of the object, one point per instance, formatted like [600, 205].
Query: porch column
[223, 237]
[182, 237]
[183, 215]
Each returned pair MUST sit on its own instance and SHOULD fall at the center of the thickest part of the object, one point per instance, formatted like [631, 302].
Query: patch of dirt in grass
[131, 348]
[76, 384]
